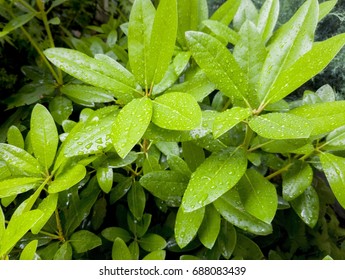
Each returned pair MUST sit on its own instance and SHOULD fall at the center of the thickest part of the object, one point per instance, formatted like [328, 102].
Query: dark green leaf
[87, 94]
[179, 165]
[84, 240]
[210, 227]
[152, 242]
[247, 249]
[60, 108]
[16, 22]
[112, 233]
[64, 252]
[227, 239]
[136, 199]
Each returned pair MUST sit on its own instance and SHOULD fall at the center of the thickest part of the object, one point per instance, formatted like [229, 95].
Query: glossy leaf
[136, 199]
[13, 186]
[64, 252]
[193, 155]
[16, 228]
[15, 137]
[139, 36]
[210, 227]
[222, 31]
[131, 124]
[156, 255]
[232, 210]
[117, 162]
[187, 225]
[152, 242]
[214, 177]
[84, 240]
[179, 165]
[268, 17]
[19, 162]
[67, 179]
[228, 119]
[218, 64]
[29, 251]
[258, 196]
[44, 136]
[60, 108]
[16, 22]
[296, 180]
[176, 111]
[112, 233]
[326, 7]
[227, 239]
[105, 178]
[166, 185]
[226, 12]
[247, 249]
[120, 250]
[307, 206]
[281, 126]
[335, 140]
[334, 169]
[139, 227]
[324, 117]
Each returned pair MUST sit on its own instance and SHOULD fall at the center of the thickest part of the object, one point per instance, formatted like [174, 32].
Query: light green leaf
[187, 225]
[16, 228]
[231, 208]
[281, 126]
[136, 200]
[246, 11]
[29, 251]
[307, 206]
[226, 12]
[218, 64]
[335, 140]
[214, 177]
[94, 72]
[258, 196]
[67, 179]
[16, 22]
[105, 178]
[139, 36]
[162, 42]
[324, 117]
[112, 233]
[228, 119]
[131, 124]
[44, 136]
[2, 224]
[179, 165]
[117, 162]
[222, 32]
[176, 111]
[152, 242]
[156, 255]
[168, 148]
[60, 108]
[84, 240]
[19, 162]
[120, 250]
[268, 17]
[47, 206]
[296, 180]
[166, 185]
[210, 227]
[311, 62]
[334, 169]
[15, 137]
[64, 252]
[326, 7]
[14, 186]
[289, 42]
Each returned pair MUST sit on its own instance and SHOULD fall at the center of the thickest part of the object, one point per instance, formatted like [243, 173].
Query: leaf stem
[59, 226]
[278, 172]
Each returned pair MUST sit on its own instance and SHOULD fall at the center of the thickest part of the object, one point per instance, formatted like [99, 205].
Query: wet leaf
[29, 251]
[226, 12]
[268, 17]
[227, 239]
[13, 186]
[60, 108]
[156, 255]
[64, 252]
[15, 137]
[247, 249]
[136, 199]
[84, 240]
[152, 242]
[112, 233]
[210, 227]
[222, 31]
[120, 250]
[105, 178]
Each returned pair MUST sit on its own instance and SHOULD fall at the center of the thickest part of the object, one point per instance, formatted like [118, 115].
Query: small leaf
[15, 137]
[214, 177]
[268, 17]
[60, 108]
[156, 255]
[179, 165]
[16, 22]
[176, 111]
[222, 31]
[136, 199]
[84, 240]
[247, 249]
[307, 206]
[281, 126]
[67, 179]
[112, 233]
[29, 251]
[326, 7]
[228, 119]
[120, 250]
[152, 242]
[227, 239]
[64, 253]
[210, 227]
[13, 186]
[105, 178]
[131, 124]
[44, 136]
[226, 12]
[187, 225]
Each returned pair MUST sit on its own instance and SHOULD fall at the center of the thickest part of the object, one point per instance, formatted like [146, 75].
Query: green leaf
[227, 239]
[268, 17]
[156, 255]
[296, 180]
[67, 179]
[13, 186]
[152, 242]
[307, 206]
[228, 119]
[210, 227]
[166, 185]
[105, 178]
[311, 62]
[120, 250]
[214, 177]
[222, 32]
[93, 71]
[16, 22]
[139, 228]
[290, 41]
[29, 251]
[117, 162]
[326, 7]
[64, 252]
[176, 111]
[218, 64]
[15, 137]
[334, 169]
[136, 199]
[324, 117]
[246, 11]
[131, 124]
[84, 240]
[179, 165]
[139, 36]
[47, 206]
[120, 190]
[60, 108]
[193, 155]
[2, 223]
[168, 148]
[112, 233]
[99, 212]
[226, 12]
[230, 207]
[281, 126]
[19, 162]
[44, 136]
[16, 228]
[335, 140]
[187, 225]
[162, 42]
[247, 249]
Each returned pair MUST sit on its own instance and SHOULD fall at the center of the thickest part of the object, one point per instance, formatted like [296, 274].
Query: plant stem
[58, 224]
[278, 172]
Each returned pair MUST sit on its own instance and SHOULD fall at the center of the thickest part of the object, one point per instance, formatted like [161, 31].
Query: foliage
[184, 146]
